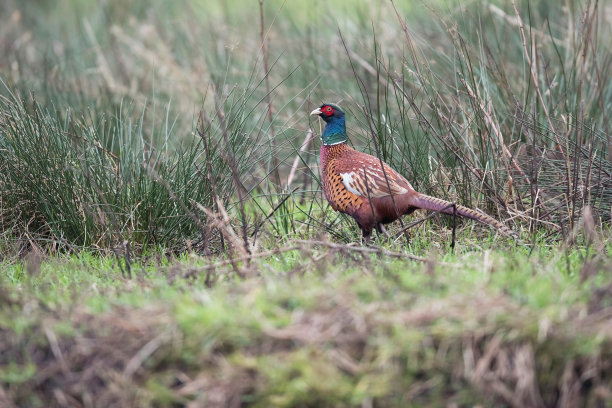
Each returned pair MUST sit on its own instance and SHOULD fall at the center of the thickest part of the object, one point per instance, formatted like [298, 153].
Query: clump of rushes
[99, 181]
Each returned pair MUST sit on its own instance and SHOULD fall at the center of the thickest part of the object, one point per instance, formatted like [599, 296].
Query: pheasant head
[335, 128]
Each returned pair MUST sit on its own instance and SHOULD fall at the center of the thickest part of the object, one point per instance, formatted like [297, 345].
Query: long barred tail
[436, 204]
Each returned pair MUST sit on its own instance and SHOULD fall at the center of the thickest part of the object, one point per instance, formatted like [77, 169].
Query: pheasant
[368, 189]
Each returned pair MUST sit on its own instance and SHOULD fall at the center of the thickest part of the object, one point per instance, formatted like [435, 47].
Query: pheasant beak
[316, 111]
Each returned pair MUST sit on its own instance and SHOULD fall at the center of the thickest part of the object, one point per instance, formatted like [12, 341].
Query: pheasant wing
[363, 174]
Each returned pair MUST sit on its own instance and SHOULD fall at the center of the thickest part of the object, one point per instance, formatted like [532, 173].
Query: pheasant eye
[328, 110]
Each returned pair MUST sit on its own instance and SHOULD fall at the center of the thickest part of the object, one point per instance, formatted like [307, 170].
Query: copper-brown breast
[338, 196]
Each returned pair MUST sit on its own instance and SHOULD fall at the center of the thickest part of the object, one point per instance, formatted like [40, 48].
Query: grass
[472, 114]
[164, 240]
[95, 182]
[466, 329]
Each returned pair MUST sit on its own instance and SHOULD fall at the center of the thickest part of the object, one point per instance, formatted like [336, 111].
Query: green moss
[16, 374]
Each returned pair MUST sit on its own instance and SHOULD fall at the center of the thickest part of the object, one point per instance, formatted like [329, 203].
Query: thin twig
[303, 148]
[209, 175]
[408, 40]
[535, 82]
[454, 226]
[233, 165]
[258, 227]
[509, 157]
[365, 179]
[216, 265]
[417, 222]
[266, 69]
[601, 100]
[369, 250]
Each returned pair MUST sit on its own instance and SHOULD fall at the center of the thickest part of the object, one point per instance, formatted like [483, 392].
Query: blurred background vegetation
[112, 112]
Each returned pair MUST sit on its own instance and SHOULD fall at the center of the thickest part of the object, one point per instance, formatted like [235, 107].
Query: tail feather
[436, 204]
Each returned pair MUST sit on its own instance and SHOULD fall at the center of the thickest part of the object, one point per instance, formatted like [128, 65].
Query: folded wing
[365, 177]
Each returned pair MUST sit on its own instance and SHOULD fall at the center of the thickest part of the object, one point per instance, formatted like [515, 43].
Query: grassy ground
[309, 327]
[164, 240]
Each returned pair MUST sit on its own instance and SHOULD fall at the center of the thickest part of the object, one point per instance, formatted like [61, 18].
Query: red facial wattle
[327, 110]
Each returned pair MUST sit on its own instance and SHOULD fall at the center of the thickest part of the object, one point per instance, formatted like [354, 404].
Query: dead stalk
[506, 153]
[266, 73]
[243, 258]
[296, 161]
[368, 250]
[532, 71]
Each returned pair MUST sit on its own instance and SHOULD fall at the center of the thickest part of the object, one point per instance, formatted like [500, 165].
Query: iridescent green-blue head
[335, 128]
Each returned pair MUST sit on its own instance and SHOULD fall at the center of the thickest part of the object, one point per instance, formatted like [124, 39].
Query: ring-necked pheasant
[368, 189]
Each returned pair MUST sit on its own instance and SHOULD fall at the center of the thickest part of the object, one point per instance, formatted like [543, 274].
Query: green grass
[308, 331]
[96, 181]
